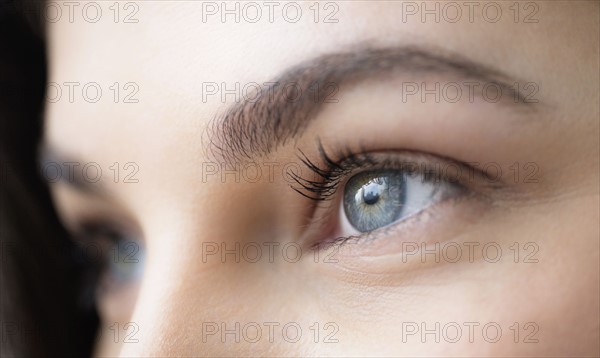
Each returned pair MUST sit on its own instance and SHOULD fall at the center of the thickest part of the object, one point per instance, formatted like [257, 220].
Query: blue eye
[374, 199]
[373, 190]
[125, 261]
[378, 198]
[118, 260]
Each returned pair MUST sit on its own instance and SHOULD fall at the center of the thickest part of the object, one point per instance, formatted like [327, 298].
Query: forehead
[136, 76]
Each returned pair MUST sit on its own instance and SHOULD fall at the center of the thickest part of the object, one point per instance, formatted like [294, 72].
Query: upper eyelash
[331, 175]
[334, 171]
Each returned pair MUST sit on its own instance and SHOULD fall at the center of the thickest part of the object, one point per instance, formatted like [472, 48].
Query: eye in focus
[377, 189]
[379, 198]
[373, 200]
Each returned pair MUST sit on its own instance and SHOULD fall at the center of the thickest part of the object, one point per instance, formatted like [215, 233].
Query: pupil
[371, 193]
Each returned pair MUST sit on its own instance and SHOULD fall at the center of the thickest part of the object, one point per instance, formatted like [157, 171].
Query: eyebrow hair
[251, 129]
[48, 155]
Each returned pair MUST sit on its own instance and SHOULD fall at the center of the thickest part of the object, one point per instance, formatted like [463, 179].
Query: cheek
[117, 327]
[118, 304]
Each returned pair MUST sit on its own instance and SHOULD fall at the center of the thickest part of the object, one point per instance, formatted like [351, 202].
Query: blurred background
[41, 310]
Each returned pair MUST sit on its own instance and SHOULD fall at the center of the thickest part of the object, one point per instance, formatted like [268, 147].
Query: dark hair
[40, 311]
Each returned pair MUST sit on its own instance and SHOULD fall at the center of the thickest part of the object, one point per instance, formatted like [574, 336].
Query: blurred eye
[117, 259]
[125, 261]
[378, 198]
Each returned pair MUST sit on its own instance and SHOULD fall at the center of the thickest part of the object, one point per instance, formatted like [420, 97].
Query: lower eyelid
[411, 219]
[442, 223]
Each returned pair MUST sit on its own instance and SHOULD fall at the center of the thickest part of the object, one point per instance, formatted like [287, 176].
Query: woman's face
[331, 178]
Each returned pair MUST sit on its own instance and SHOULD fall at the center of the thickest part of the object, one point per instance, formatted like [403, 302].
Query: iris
[375, 199]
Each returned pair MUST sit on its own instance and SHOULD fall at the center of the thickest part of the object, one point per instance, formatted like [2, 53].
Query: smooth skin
[376, 293]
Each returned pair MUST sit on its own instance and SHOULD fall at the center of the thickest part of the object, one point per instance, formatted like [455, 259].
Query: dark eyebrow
[255, 128]
[49, 159]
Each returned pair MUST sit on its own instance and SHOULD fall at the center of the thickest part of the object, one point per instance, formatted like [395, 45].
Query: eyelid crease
[251, 129]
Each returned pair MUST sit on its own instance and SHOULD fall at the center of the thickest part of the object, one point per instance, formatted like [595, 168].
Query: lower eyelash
[370, 236]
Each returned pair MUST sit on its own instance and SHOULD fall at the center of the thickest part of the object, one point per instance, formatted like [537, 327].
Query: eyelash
[103, 236]
[334, 172]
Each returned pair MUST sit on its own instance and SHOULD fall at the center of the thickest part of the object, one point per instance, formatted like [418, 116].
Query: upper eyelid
[244, 131]
[90, 228]
[332, 172]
